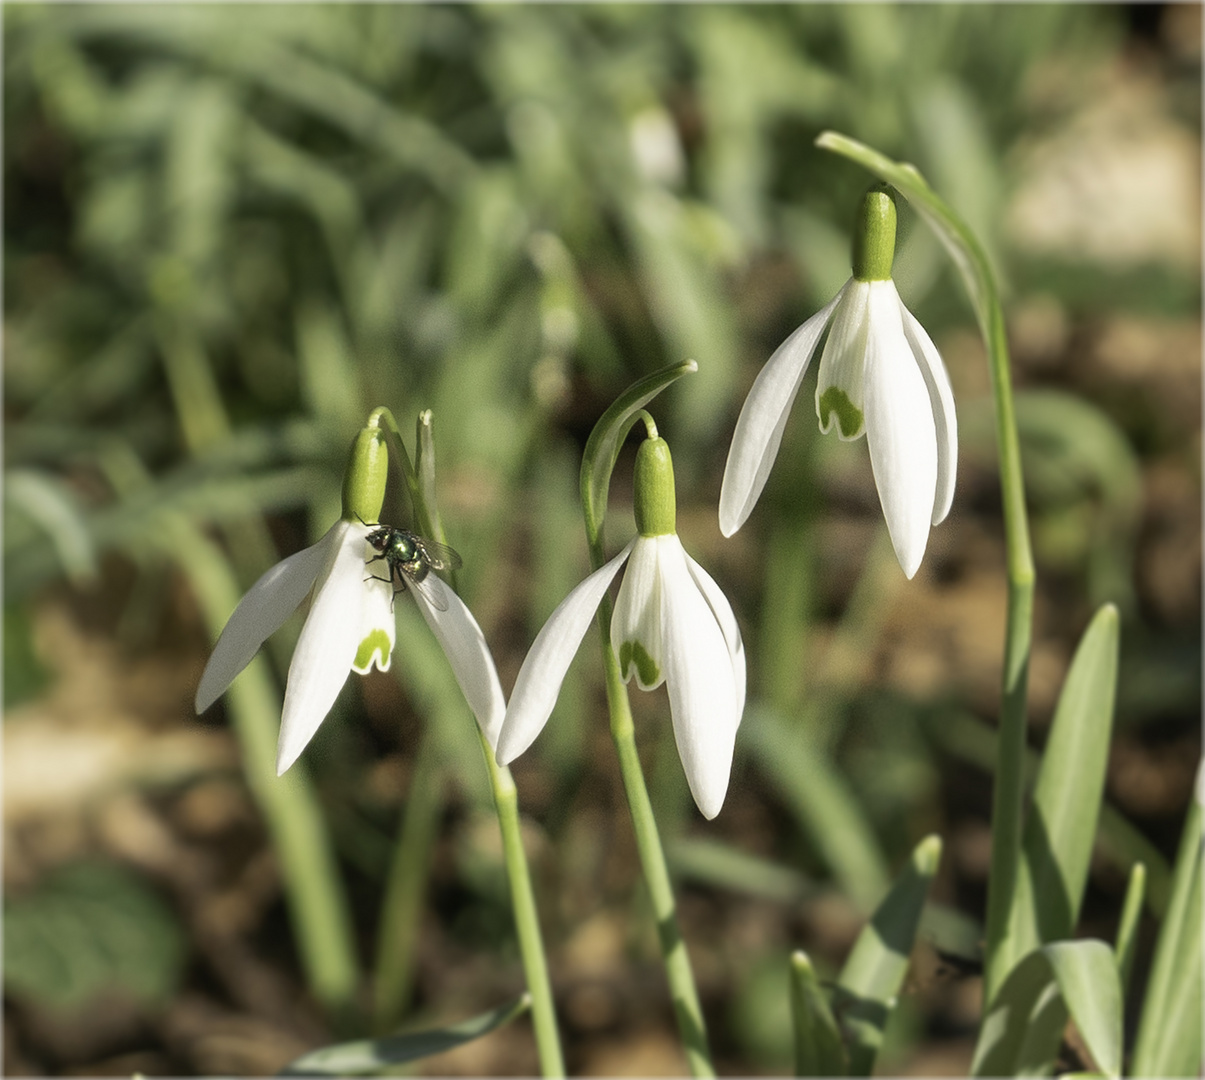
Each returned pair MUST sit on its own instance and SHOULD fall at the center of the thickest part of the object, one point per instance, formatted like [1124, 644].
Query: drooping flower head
[671, 625]
[350, 625]
[880, 375]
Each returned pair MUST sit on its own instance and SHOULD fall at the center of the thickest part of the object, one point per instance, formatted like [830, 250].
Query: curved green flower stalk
[1002, 952]
[420, 483]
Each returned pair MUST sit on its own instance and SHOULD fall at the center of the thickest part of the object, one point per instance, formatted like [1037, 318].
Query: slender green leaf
[1059, 833]
[602, 448]
[1169, 1032]
[818, 1047]
[1127, 927]
[372, 1057]
[874, 972]
[1021, 1032]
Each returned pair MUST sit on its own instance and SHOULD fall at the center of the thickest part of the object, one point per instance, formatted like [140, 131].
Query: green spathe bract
[653, 489]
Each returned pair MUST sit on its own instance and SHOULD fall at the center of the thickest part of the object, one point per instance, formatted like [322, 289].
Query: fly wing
[440, 556]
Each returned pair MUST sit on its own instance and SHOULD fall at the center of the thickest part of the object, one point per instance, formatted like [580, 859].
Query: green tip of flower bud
[364, 480]
[653, 489]
[874, 235]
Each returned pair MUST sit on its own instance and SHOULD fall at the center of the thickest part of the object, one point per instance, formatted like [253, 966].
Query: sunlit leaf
[1170, 1032]
[818, 1047]
[373, 1057]
[1021, 1032]
[1061, 827]
[874, 971]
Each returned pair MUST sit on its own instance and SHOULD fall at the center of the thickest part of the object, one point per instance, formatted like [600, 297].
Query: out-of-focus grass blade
[818, 1047]
[49, 502]
[1169, 1032]
[1127, 927]
[674, 243]
[1057, 843]
[373, 1057]
[1020, 1034]
[874, 972]
[317, 901]
[726, 867]
[827, 810]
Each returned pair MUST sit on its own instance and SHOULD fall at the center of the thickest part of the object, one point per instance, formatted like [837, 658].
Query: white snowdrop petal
[941, 399]
[636, 622]
[722, 611]
[543, 671]
[763, 419]
[271, 600]
[900, 431]
[326, 647]
[699, 677]
[464, 644]
[840, 380]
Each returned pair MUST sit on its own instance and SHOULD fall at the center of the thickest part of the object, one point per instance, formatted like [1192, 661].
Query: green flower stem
[506, 801]
[687, 1010]
[1002, 950]
[598, 461]
[527, 922]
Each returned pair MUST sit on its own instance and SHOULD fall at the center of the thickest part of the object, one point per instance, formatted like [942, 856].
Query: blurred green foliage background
[231, 231]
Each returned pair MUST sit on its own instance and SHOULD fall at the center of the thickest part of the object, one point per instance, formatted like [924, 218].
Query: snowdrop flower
[671, 624]
[350, 625]
[880, 374]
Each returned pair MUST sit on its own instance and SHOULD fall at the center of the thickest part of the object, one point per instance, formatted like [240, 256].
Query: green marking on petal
[632, 653]
[849, 416]
[375, 646]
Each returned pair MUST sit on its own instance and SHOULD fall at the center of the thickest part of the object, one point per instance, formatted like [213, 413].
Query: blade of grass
[1127, 927]
[1021, 1032]
[1061, 828]
[825, 807]
[409, 872]
[322, 922]
[874, 971]
[818, 1047]
[380, 1057]
[1169, 1032]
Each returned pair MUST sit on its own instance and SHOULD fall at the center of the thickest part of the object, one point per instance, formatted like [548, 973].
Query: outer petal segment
[327, 644]
[722, 611]
[271, 600]
[941, 398]
[699, 677]
[464, 644]
[899, 430]
[540, 677]
[763, 419]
